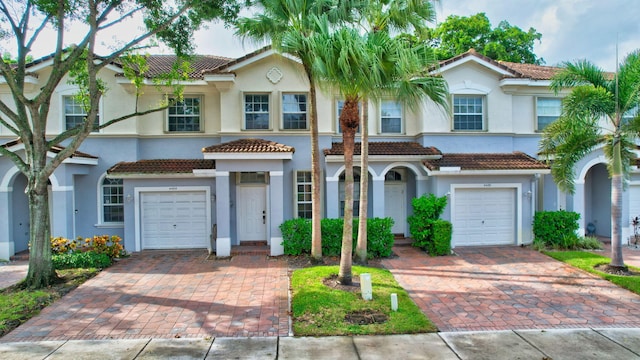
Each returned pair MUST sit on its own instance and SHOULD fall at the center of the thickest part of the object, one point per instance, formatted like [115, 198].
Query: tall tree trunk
[316, 174]
[616, 211]
[41, 272]
[361, 246]
[349, 120]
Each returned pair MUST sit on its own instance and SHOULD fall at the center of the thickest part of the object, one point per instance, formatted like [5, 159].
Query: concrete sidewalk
[521, 344]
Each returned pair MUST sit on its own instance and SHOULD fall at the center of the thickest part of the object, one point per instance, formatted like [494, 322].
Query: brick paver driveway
[170, 294]
[501, 288]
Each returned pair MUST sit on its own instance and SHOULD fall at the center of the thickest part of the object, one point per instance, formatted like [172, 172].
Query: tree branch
[121, 19]
[16, 159]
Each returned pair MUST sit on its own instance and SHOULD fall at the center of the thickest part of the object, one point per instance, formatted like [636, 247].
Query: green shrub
[556, 229]
[74, 260]
[589, 243]
[379, 237]
[296, 235]
[331, 236]
[426, 212]
[442, 231]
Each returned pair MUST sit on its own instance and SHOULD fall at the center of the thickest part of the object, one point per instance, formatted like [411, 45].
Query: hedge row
[296, 234]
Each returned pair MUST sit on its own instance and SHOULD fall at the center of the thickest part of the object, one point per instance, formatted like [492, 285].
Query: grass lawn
[320, 310]
[588, 261]
[18, 305]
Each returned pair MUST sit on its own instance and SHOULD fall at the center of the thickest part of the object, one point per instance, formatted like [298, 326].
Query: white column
[223, 217]
[378, 197]
[333, 198]
[276, 211]
[578, 206]
[7, 246]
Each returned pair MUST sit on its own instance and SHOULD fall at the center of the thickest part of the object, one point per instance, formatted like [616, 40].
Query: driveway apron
[509, 288]
[170, 294]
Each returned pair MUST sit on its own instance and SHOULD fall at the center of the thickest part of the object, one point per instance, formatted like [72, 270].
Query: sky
[571, 29]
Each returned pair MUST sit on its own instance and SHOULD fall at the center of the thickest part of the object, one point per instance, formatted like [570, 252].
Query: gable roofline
[505, 68]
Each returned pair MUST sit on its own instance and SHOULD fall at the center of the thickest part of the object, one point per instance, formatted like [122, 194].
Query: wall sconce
[128, 198]
[528, 194]
[448, 194]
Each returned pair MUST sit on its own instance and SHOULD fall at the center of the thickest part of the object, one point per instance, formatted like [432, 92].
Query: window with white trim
[339, 106]
[468, 112]
[256, 111]
[390, 117]
[547, 111]
[303, 194]
[112, 201]
[185, 115]
[294, 111]
[75, 112]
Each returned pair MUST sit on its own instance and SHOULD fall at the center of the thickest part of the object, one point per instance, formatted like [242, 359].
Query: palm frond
[567, 140]
[581, 72]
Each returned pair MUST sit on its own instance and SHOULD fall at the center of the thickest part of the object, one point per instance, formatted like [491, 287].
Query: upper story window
[185, 115]
[339, 106]
[112, 201]
[294, 111]
[303, 194]
[256, 111]
[390, 117]
[468, 112]
[75, 113]
[547, 111]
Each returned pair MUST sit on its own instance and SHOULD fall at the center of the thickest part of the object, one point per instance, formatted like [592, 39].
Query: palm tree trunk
[361, 246]
[316, 174]
[349, 127]
[616, 211]
[41, 272]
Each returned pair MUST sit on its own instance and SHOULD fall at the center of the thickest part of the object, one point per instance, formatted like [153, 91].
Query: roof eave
[487, 172]
[248, 155]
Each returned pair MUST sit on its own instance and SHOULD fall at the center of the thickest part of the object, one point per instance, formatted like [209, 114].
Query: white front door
[252, 213]
[395, 206]
[484, 217]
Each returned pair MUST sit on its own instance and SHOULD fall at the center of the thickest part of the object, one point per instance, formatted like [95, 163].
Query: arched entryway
[597, 201]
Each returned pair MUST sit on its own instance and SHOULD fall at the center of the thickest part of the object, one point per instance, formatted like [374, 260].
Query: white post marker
[365, 286]
[394, 302]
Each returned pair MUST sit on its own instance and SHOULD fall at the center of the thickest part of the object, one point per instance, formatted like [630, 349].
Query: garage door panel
[484, 217]
[172, 220]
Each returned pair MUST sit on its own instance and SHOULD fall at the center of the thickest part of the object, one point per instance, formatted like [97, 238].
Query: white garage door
[174, 220]
[484, 217]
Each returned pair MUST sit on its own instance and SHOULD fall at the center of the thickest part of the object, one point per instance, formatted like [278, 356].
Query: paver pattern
[11, 273]
[170, 294]
[509, 288]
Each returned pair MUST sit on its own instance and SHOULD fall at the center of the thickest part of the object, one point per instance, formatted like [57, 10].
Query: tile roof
[55, 149]
[162, 64]
[497, 161]
[161, 166]
[529, 71]
[386, 148]
[249, 146]
[238, 60]
[532, 71]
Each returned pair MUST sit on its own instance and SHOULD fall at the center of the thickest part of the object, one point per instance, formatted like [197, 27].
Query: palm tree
[288, 25]
[370, 65]
[375, 16]
[596, 95]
